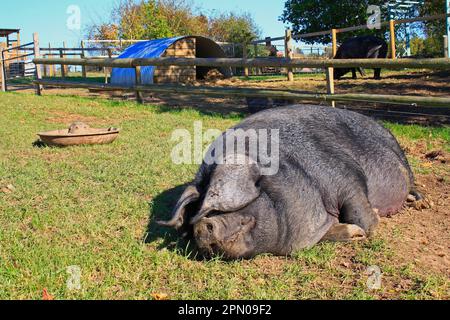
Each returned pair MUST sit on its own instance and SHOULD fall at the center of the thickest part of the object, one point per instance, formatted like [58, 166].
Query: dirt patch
[422, 237]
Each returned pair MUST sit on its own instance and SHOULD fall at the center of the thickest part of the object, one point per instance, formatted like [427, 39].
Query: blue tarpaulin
[147, 49]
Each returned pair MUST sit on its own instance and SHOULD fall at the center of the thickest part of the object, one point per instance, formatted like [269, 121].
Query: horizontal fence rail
[437, 64]
[253, 92]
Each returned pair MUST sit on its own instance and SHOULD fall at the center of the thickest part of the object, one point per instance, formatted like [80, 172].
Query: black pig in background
[364, 47]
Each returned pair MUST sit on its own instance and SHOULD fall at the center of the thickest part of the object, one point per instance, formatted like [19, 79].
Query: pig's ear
[232, 188]
[189, 196]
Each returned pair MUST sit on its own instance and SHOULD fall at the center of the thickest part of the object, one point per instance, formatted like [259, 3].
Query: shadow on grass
[39, 144]
[160, 210]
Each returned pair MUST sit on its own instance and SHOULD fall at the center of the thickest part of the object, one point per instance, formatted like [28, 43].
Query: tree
[434, 30]
[153, 19]
[142, 20]
[308, 16]
[234, 28]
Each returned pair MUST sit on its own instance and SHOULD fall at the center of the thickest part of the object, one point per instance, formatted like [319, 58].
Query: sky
[53, 19]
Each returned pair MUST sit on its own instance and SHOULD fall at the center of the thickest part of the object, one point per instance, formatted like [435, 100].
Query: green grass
[91, 207]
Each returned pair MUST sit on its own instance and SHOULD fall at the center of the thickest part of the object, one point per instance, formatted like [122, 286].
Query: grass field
[93, 207]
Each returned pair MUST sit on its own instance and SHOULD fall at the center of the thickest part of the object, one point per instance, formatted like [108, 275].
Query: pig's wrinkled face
[227, 235]
[242, 234]
[232, 217]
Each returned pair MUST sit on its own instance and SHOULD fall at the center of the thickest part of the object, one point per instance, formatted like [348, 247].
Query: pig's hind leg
[357, 210]
[345, 233]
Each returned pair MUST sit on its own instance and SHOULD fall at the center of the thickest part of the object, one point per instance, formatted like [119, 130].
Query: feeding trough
[79, 134]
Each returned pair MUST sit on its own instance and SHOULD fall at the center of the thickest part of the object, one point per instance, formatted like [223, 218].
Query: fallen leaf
[5, 190]
[46, 296]
[160, 296]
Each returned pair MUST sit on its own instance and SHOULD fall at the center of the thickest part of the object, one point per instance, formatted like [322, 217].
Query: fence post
[446, 50]
[330, 71]
[2, 73]
[334, 39]
[83, 55]
[289, 53]
[393, 45]
[63, 68]
[330, 84]
[447, 4]
[66, 68]
[44, 67]
[245, 56]
[37, 54]
[256, 70]
[137, 70]
[51, 69]
[105, 69]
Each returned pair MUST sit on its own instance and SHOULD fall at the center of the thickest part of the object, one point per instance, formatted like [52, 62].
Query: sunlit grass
[91, 207]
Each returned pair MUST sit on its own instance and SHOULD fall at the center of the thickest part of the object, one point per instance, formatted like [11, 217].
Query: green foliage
[153, 19]
[234, 28]
[307, 16]
[428, 47]
[142, 21]
[434, 30]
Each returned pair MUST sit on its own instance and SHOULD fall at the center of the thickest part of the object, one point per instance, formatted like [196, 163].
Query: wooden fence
[288, 37]
[136, 64]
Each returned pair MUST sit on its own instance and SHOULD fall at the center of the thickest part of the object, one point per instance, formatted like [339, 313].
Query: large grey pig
[338, 172]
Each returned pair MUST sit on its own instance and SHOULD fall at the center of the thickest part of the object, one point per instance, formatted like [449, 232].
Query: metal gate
[16, 67]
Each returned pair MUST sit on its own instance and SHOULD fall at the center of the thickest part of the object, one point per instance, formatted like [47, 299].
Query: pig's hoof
[345, 233]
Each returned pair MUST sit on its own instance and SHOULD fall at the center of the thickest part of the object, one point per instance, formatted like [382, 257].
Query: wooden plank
[62, 66]
[330, 84]
[37, 54]
[393, 39]
[245, 58]
[137, 70]
[289, 52]
[334, 40]
[437, 64]
[105, 69]
[253, 92]
[83, 55]
[2, 75]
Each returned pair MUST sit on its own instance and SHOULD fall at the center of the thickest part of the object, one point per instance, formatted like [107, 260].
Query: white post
[289, 53]
[448, 28]
[37, 54]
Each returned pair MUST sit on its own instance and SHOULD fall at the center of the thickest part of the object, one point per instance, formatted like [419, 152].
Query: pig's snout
[206, 234]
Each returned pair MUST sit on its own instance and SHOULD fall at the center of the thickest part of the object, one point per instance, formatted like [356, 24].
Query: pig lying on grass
[338, 172]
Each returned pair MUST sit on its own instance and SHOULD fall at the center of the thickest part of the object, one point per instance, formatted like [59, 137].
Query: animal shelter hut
[6, 42]
[180, 47]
